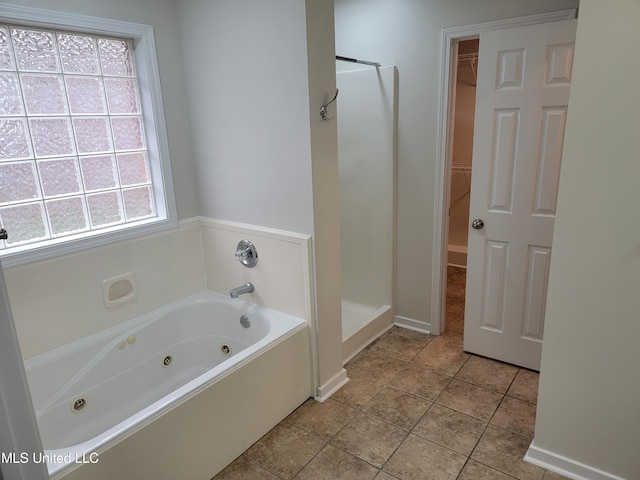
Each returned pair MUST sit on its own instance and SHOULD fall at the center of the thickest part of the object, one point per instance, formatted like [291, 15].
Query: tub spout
[246, 288]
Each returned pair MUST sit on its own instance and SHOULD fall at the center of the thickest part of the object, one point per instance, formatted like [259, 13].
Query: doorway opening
[522, 98]
[451, 38]
[464, 102]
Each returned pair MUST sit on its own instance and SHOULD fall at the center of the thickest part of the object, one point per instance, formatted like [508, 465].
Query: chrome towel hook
[323, 108]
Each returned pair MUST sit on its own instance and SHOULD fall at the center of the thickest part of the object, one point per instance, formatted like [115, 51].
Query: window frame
[148, 76]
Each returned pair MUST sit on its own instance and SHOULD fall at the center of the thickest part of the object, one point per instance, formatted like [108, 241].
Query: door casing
[450, 37]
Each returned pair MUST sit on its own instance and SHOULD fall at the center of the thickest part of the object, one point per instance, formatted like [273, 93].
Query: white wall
[161, 14]
[589, 384]
[407, 33]
[257, 73]
[68, 289]
[326, 193]
[256, 136]
[246, 74]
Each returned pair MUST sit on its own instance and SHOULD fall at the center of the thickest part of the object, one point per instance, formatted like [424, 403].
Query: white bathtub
[93, 396]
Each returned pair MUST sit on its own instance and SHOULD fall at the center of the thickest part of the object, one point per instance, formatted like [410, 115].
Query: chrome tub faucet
[245, 288]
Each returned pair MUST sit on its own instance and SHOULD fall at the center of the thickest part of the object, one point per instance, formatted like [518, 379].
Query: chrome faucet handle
[246, 253]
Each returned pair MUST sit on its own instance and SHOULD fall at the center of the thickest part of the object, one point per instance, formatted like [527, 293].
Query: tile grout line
[434, 402]
[315, 454]
[488, 423]
[360, 408]
[387, 385]
[258, 464]
[424, 414]
[427, 411]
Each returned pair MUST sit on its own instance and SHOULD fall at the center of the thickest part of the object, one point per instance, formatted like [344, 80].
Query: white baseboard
[457, 256]
[332, 386]
[565, 466]
[412, 324]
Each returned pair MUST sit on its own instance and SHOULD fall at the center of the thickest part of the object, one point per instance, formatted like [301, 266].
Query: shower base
[361, 324]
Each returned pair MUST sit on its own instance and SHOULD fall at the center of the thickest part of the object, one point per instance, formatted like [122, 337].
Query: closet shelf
[461, 168]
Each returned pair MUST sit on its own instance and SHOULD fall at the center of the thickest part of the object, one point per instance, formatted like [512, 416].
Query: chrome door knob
[477, 224]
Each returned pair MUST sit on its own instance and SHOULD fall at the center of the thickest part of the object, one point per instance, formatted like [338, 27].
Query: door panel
[551, 139]
[522, 95]
[495, 285]
[503, 161]
[536, 288]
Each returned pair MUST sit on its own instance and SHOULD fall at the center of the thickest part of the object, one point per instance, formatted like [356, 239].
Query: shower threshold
[361, 324]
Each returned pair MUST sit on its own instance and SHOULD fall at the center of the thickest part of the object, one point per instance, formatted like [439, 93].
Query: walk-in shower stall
[367, 121]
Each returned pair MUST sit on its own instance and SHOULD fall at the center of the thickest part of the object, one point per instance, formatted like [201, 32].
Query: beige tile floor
[416, 408]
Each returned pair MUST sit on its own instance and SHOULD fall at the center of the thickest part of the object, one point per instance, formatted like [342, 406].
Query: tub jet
[78, 404]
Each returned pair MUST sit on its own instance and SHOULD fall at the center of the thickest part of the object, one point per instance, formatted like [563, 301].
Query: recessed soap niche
[119, 290]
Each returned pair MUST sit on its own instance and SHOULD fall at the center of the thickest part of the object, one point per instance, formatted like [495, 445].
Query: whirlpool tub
[176, 393]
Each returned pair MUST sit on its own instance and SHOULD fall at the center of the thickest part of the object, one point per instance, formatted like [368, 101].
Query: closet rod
[471, 57]
[355, 60]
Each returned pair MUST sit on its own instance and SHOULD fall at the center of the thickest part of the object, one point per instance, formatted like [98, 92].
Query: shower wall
[366, 161]
[57, 301]
[60, 300]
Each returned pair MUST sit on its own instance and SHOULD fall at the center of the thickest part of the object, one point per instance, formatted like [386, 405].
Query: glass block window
[73, 153]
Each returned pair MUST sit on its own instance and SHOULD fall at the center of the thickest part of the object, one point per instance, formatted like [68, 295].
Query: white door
[522, 94]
